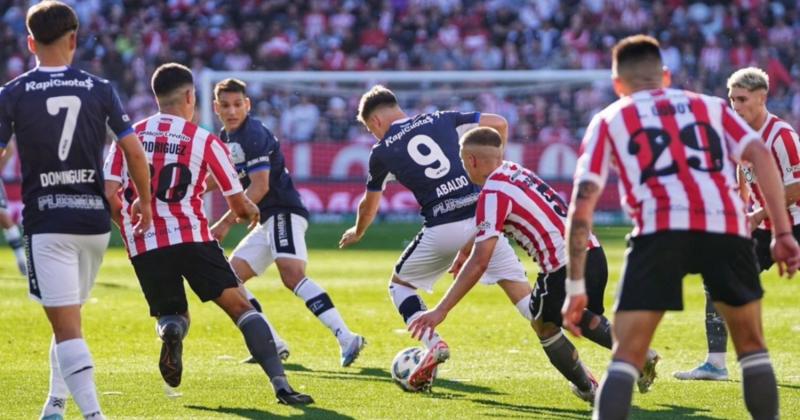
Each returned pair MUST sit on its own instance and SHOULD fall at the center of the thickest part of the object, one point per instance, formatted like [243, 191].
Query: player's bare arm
[211, 184]
[579, 227]
[367, 210]
[792, 195]
[785, 250]
[258, 188]
[114, 201]
[473, 269]
[141, 213]
[497, 122]
[244, 209]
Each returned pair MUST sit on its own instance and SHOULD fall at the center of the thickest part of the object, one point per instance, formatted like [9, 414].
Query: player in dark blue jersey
[422, 153]
[59, 116]
[280, 237]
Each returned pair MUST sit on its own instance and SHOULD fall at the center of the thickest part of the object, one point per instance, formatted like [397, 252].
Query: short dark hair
[169, 77]
[377, 97]
[50, 20]
[635, 50]
[230, 85]
[482, 136]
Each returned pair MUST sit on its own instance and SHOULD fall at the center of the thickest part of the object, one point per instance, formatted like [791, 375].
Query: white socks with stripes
[77, 369]
[613, 400]
[57, 397]
[320, 304]
[759, 385]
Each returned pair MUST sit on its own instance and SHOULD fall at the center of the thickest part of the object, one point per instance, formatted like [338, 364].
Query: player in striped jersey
[181, 156]
[516, 202]
[747, 91]
[675, 152]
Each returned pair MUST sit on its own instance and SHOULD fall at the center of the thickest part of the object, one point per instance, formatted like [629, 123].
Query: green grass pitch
[497, 367]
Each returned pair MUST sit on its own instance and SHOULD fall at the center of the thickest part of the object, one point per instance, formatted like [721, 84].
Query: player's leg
[159, 275]
[545, 305]
[634, 332]
[250, 258]
[288, 245]
[11, 232]
[58, 279]
[211, 277]
[519, 294]
[56, 401]
[735, 287]
[506, 270]
[714, 368]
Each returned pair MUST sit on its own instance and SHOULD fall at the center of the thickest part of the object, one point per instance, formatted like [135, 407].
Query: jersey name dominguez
[254, 148]
[676, 153]
[181, 156]
[422, 153]
[60, 116]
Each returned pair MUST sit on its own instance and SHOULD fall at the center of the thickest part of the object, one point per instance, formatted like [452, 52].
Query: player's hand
[141, 217]
[458, 262]
[426, 322]
[251, 217]
[785, 253]
[572, 311]
[220, 230]
[349, 237]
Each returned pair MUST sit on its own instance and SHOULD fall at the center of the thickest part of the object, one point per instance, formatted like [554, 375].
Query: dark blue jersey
[254, 148]
[59, 116]
[422, 153]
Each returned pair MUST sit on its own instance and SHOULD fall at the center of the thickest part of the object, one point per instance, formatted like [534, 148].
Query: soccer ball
[403, 364]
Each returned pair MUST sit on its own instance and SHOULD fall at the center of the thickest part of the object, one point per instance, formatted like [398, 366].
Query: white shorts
[434, 249]
[62, 267]
[281, 236]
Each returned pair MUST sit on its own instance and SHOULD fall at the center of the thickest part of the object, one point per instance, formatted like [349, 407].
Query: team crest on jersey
[237, 153]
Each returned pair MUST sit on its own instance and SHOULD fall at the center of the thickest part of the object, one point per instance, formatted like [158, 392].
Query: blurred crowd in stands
[703, 42]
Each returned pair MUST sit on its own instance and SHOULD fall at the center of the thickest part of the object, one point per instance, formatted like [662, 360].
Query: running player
[59, 116]
[747, 91]
[280, 235]
[181, 156]
[516, 202]
[675, 153]
[421, 152]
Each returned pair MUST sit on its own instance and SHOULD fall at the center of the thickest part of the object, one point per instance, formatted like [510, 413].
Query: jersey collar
[51, 69]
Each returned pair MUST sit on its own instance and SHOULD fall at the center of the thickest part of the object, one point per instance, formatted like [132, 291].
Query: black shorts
[655, 265]
[763, 238]
[549, 293]
[161, 272]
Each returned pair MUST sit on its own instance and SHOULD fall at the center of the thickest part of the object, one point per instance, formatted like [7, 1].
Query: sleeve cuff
[233, 190]
[258, 168]
[590, 177]
[124, 133]
[115, 178]
[487, 235]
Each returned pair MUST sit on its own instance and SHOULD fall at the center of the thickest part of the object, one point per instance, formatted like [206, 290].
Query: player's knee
[292, 273]
[234, 303]
[545, 330]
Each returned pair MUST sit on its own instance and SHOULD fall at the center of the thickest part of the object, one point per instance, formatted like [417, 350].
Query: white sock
[57, 397]
[320, 304]
[412, 309]
[77, 368]
[12, 233]
[716, 359]
[524, 307]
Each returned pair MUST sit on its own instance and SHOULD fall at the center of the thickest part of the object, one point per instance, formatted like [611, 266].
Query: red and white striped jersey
[676, 154]
[517, 202]
[181, 155]
[783, 142]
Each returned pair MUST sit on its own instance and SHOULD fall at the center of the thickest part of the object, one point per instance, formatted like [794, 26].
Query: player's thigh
[93, 248]
[596, 275]
[504, 265]
[206, 270]
[54, 277]
[432, 252]
[653, 272]
[548, 296]
[729, 270]
[744, 324]
[159, 275]
[254, 249]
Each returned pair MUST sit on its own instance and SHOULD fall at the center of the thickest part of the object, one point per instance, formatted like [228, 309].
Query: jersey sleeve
[492, 210]
[463, 121]
[219, 162]
[118, 120]
[737, 133]
[257, 151]
[786, 151]
[595, 154]
[378, 174]
[114, 167]
[6, 122]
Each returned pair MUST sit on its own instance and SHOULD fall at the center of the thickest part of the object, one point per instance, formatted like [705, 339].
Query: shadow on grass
[309, 411]
[383, 375]
[789, 386]
[671, 411]
[533, 411]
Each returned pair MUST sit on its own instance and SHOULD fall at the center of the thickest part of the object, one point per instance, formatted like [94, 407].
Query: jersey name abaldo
[452, 185]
